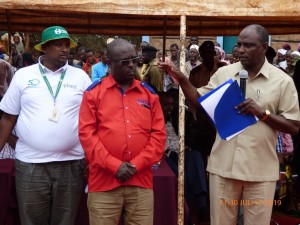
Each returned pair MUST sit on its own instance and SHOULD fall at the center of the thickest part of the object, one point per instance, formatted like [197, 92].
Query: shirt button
[127, 121]
[124, 95]
[126, 107]
[129, 136]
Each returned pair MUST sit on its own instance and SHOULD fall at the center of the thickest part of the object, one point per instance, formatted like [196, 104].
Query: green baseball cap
[54, 33]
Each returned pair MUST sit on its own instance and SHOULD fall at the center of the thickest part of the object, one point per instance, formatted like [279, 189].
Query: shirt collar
[153, 62]
[264, 70]
[111, 82]
[41, 59]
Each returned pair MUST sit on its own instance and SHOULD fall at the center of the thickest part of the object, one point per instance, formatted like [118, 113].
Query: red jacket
[115, 127]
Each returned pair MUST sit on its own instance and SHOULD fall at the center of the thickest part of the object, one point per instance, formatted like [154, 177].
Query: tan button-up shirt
[251, 155]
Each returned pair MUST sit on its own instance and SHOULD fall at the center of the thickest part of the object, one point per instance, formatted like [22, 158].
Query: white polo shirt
[40, 139]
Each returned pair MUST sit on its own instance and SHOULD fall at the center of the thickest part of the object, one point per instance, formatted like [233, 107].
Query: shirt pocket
[142, 116]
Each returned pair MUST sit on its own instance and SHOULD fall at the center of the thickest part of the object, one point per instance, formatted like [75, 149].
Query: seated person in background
[195, 190]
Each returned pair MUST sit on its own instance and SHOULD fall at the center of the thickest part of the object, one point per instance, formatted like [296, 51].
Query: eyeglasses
[126, 62]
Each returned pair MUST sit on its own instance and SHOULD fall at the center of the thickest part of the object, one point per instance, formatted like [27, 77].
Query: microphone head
[243, 74]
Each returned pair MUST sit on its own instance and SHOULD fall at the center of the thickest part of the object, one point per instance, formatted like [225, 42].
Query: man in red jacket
[122, 131]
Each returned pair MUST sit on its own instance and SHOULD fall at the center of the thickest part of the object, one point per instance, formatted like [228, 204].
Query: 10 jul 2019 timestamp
[244, 202]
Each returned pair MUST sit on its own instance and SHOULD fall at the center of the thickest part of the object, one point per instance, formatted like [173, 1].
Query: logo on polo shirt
[144, 103]
[33, 82]
[72, 86]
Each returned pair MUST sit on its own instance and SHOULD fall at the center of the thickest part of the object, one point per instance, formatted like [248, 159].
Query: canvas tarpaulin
[155, 17]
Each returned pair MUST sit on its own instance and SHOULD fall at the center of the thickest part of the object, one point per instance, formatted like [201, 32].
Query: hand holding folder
[220, 104]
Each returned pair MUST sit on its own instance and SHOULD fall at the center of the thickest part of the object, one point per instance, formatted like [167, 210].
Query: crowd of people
[131, 92]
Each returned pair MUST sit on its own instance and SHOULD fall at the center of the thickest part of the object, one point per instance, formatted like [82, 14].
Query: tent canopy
[154, 18]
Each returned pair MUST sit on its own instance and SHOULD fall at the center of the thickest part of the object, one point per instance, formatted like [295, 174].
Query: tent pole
[181, 126]
[164, 38]
[9, 35]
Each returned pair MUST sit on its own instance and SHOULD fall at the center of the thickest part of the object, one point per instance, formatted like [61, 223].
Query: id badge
[54, 115]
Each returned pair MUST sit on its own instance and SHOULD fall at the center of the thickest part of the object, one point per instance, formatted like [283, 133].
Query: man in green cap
[43, 102]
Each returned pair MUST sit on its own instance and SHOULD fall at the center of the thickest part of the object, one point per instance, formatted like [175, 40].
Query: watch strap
[266, 116]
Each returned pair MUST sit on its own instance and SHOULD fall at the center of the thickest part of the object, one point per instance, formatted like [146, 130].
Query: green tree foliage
[98, 42]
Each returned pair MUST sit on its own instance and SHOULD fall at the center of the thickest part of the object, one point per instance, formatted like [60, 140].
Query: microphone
[243, 79]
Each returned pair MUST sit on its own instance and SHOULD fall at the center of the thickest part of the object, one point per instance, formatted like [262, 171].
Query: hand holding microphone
[243, 80]
[249, 106]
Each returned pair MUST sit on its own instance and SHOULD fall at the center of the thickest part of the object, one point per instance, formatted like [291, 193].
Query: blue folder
[220, 104]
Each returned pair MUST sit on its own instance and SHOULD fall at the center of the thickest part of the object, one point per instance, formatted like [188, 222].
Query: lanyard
[62, 76]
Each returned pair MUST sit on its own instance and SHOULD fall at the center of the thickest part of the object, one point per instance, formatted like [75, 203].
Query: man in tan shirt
[243, 171]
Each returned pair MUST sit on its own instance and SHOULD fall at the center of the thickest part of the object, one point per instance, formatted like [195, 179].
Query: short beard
[193, 59]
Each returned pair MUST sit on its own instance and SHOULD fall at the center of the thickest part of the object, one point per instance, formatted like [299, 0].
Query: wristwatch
[266, 116]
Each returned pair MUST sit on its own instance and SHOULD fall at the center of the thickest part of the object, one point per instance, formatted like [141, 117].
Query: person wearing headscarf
[291, 60]
[220, 54]
[18, 42]
[286, 47]
[193, 59]
[281, 55]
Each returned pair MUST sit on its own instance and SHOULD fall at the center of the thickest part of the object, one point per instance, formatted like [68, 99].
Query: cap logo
[54, 33]
[59, 31]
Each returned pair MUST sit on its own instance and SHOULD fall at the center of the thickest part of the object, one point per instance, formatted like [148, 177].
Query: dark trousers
[195, 180]
[49, 193]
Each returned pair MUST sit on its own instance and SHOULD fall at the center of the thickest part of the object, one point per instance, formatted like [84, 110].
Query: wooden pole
[164, 38]
[9, 53]
[27, 42]
[181, 126]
